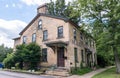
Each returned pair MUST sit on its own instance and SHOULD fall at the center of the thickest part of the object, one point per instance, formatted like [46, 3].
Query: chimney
[42, 9]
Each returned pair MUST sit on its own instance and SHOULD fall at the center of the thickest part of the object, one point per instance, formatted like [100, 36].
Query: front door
[60, 56]
[89, 60]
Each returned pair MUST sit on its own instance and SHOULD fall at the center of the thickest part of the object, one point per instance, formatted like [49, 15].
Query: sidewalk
[88, 75]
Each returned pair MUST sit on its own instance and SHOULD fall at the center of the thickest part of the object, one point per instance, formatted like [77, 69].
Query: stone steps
[58, 72]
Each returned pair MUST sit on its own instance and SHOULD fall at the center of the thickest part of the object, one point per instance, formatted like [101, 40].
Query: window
[40, 24]
[86, 41]
[44, 55]
[60, 32]
[82, 55]
[34, 37]
[76, 55]
[24, 39]
[45, 35]
[93, 44]
[81, 36]
[74, 32]
[90, 43]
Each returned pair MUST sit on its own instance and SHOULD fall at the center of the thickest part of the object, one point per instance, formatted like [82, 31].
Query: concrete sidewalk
[88, 75]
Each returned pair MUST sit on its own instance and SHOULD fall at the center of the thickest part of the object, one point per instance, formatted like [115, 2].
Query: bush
[80, 71]
[17, 65]
[9, 61]
[101, 61]
[29, 55]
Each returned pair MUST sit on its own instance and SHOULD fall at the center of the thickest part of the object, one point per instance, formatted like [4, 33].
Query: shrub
[80, 71]
[9, 61]
[29, 55]
[17, 65]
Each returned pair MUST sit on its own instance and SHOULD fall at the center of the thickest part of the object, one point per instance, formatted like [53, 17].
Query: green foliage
[24, 54]
[81, 65]
[9, 61]
[110, 73]
[103, 20]
[34, 55]
[80, 71]
[17, 65]
[29, 54]
[59, 8]
[4, 51]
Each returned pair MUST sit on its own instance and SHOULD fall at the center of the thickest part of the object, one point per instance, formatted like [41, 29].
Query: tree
[4, 51]
[28, 54]
[61, 9]
[34, 55]
[105, 17]
[20, 54]
[9, 61]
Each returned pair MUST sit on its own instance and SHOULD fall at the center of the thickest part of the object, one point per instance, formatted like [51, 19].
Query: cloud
[10, 30]
[13, 5]
[38, 2]
[6, 5]
[20, 6]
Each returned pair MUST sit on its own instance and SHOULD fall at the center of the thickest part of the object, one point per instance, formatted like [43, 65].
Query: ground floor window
[82, 55]
[76, 54]
[44, 55]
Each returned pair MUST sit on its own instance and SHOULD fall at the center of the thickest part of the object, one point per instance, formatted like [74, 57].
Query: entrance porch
[59, 47]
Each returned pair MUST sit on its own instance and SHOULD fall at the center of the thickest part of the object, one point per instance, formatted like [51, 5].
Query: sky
[14, 16]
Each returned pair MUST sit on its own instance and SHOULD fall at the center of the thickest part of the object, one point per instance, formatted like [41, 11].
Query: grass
[81, 71]
[110, 73]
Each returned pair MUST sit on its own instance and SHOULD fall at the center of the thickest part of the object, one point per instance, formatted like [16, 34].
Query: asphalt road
[6, 74]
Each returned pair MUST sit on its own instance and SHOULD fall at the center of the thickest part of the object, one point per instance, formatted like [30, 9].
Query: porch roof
[56, 43]
[88, 51]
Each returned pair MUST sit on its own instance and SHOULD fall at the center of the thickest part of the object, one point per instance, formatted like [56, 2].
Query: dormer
[42, 9]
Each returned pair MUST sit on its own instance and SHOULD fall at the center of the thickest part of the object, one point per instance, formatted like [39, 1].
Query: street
[6, 74]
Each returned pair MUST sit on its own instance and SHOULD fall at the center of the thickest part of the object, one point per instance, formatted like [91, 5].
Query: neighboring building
[62, 43]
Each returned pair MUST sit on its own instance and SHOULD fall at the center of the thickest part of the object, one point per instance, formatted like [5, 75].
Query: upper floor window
[60, 31]
[24, 39]
[93, 44]
[40, 24]
[44, 55]
[75, 34]
[81, 36]
[90, 43]
[45, 35]
[34, 37]
[86, 41]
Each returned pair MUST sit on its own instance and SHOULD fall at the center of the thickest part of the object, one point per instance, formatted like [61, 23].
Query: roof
[16, 38]
[48, 15]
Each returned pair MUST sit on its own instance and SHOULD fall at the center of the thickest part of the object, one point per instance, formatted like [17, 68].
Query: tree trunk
[117, 61]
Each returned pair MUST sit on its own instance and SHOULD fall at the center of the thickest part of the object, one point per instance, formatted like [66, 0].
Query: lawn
[81, 71]
[110, 73]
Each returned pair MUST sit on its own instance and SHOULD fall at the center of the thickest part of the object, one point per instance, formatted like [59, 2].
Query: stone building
[61, 41]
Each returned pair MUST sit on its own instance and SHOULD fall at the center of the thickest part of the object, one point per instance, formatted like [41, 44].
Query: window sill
[60, 37]
[45, 40]
[39, 28]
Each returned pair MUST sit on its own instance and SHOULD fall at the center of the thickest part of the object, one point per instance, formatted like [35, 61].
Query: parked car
[1, 65]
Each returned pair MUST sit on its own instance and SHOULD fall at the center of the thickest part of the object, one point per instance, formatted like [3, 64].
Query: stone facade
[53, 43]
